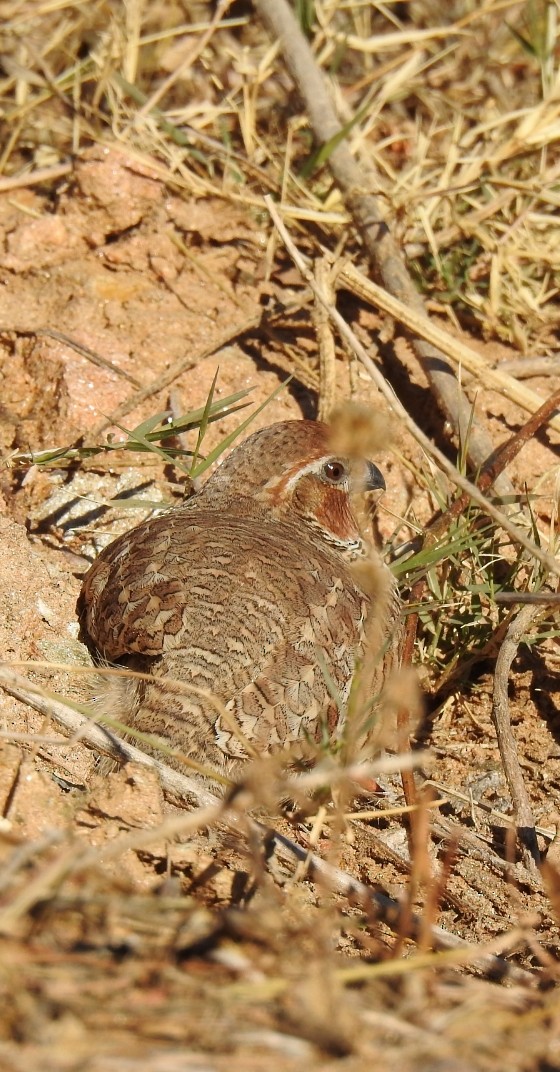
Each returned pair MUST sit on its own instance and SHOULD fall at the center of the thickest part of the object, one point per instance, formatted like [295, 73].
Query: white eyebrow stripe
[311, 468]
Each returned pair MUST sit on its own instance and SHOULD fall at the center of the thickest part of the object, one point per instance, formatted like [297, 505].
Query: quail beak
[374, 478]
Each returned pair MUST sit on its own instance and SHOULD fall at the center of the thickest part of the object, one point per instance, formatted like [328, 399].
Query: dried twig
[385, 256]
[174, 371]
[501, 458]
[403, 716]
[523, 368]
[500, 712]
[89, 354]
[517, 535]
[462, 355]
[438, 527]
[41, 176]
[494, 814]
[190, 790]
[535, 599]
[504, 456]
[471, 844]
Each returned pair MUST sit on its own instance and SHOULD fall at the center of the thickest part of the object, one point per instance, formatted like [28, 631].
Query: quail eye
[334, 471]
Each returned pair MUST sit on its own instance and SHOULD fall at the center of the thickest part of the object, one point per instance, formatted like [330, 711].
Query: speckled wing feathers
[226, 606]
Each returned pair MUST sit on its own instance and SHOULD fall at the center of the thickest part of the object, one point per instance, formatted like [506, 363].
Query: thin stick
[182, 68]
[535, 599]
[403, 715]
[90, 355]
[524, 819]
[384, 254]
[34, 178]
[190, 790]
[461, 354]
[479, 805]
[552, 564]
[176, 370]
[502, 457]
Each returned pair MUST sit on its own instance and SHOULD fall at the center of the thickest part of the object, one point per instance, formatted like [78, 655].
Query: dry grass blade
[90, 354]
[457, 351]
[35, 178]
[502, 458]
[174, 371]
[383, 252]
[383, 907]
[547, 560]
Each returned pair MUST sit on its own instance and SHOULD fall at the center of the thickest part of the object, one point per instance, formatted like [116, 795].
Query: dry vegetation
[165, 210]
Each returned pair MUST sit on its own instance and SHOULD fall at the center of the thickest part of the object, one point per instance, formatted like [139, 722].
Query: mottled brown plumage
[245, 593]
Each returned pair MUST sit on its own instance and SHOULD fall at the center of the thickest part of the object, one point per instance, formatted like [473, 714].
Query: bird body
[241, 604]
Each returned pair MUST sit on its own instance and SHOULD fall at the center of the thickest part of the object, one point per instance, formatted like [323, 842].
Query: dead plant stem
[175, 370]
[517, 535]
[189, 790]
[384, 254]
[524, 819]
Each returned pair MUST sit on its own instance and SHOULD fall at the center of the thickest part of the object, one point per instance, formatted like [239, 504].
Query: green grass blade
[229, 439]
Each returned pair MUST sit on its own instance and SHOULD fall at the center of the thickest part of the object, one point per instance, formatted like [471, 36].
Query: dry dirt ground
[148, 952]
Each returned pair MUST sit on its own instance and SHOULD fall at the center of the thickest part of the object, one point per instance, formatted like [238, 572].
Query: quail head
[244, 605]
